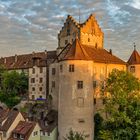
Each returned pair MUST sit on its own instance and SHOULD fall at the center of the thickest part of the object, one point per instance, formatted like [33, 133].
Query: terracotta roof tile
[26, 61]
[9, 120]
[3, 114]
[23, 128]
[134, 58]
[77, 51]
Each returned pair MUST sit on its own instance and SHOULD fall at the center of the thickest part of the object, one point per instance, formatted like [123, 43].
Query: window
[132, 69]
[40, 88]
[96, 46]
[33, 70]
[41, 69]
[33, 88]
[21, 137]
[61, 68]
[71, 68]
[32, 80]
[94, 84]
[79, 84]
[53, 71]
[66, 42]
[35, 133]
[88, 39]
[42, 133]
[94, 101]
[81, 121]
[80, 102]
[33, 97]
[14, 135]
[40, 97]
[40, 80]
[53, 84]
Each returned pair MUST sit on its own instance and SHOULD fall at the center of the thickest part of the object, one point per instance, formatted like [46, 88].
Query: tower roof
[134, 58]
[77, 51]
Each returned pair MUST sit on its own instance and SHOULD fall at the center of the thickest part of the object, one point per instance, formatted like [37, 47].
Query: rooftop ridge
[134, 58]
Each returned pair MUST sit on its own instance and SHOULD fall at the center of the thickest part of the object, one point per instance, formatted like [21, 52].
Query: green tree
[97, 125]
[75, 136]
[13, 85]
[122, 106]
[15, 82]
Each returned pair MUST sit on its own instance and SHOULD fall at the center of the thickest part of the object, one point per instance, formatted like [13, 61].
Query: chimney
[16, 57]
[110, 51]
[5, 60]
[33, 53]
[45, 51]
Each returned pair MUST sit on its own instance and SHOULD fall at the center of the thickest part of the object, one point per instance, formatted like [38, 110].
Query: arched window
[96, 46]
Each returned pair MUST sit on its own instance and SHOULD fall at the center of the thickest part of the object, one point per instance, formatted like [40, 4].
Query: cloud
[33, 25]
[134, 3]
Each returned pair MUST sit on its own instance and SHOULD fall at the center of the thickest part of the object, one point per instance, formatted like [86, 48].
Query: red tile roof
[77, 51]
[26, 61]
[23, 128]
[3, 114]
[134, 58]
[11, 116]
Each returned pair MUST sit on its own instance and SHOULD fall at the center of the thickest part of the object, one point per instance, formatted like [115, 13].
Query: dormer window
[46, 124]
[25, 63]
[132, 69]
[14, 135]
[21, 137]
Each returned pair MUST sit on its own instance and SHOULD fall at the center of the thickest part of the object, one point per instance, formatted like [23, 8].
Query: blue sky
[33, 25]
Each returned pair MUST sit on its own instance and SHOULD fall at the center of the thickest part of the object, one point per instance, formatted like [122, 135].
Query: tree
[13, 84]
[122, 106]
[97, 125]
[75, 136]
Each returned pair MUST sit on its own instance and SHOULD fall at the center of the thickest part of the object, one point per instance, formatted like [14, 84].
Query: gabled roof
[9, 120]
[3, 114]
[26, 60]
[134, 58]
[51, 119]
[77, 51]
[23, 128]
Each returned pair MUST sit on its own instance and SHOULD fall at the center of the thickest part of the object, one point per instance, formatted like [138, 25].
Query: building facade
[72, 75]
[35, 66]
[134, 63]
[77, 74]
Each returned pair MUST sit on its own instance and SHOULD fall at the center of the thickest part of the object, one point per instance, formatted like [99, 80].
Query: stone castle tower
[81, 65]
[89, 33]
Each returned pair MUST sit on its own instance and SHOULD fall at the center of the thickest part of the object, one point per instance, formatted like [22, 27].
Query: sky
[33, 25]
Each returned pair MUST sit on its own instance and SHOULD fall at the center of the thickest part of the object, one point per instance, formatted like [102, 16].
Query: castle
[72, 74]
